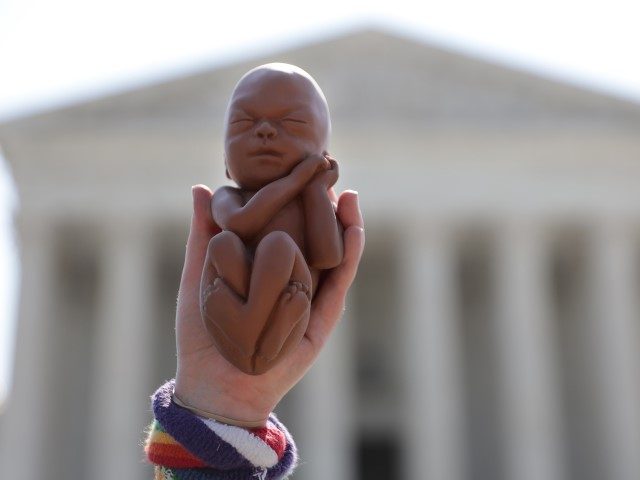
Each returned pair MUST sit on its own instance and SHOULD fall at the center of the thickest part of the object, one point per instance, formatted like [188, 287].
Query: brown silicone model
[279, 225]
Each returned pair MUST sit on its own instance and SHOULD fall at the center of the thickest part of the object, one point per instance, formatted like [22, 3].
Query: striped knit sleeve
[184, 446]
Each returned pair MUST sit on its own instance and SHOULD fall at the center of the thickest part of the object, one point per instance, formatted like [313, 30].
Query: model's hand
[310, 166]
[328, 177]
[204, 379]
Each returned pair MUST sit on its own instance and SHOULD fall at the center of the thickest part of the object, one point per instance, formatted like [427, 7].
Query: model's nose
[265, 130]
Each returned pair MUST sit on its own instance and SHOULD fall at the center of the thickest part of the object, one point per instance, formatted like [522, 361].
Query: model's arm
[323, 232]
[246, 220]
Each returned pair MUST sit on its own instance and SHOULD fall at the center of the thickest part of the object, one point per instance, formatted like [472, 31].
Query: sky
[56, 53]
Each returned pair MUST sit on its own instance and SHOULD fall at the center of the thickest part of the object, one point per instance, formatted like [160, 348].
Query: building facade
[493, 331]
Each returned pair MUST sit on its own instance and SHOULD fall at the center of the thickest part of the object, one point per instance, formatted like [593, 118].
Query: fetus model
[279, 227]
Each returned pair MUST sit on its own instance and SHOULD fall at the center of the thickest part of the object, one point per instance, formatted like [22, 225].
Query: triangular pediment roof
[368, 75]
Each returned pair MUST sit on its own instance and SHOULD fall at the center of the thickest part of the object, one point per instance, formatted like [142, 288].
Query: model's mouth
[266, 151]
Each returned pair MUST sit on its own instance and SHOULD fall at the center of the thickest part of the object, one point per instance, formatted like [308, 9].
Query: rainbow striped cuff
[184, 446]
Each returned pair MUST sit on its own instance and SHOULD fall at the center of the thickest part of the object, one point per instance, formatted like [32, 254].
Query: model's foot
[302, 288]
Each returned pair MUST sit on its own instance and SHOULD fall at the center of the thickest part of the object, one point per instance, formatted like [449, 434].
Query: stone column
[122, 375]
[434, 422]
[325, 410]
[25, 425]
[616, 357]
[530, 397]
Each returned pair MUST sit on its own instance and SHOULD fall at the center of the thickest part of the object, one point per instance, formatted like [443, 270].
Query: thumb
[202, 229]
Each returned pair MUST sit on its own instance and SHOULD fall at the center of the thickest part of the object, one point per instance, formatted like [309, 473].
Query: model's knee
[224, 240]
[277, 237]
[276, 242]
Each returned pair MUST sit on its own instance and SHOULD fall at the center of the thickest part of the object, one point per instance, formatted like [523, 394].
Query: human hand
[204, 379]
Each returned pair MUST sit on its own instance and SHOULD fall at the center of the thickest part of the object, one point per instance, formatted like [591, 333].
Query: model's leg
[277, 262]
[280, 290]
[227, 321]
[223, 290]
[227, 258]
[290, 312]
[277, 299]
[261, 365]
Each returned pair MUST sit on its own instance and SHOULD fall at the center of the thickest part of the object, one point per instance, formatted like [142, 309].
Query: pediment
[369, 76]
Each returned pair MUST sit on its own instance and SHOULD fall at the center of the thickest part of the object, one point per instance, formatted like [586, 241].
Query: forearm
[322, 229]
[247, 221]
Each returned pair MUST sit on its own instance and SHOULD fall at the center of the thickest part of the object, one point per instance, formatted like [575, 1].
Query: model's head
[276, 117]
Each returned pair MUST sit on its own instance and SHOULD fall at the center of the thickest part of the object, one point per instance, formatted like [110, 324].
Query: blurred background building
[493, 331]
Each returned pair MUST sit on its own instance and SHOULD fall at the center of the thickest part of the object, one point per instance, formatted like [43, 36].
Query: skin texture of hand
[204, 379]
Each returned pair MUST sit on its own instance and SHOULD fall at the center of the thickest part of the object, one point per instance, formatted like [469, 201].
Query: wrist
[259, 423]
[217, 401]
[315, 186]
[181, 445]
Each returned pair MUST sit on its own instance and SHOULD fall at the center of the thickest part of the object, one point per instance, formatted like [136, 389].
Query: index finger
[349, 210]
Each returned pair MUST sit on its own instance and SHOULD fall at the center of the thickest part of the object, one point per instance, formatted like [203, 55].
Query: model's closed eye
[294, 120]
[241, 120]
